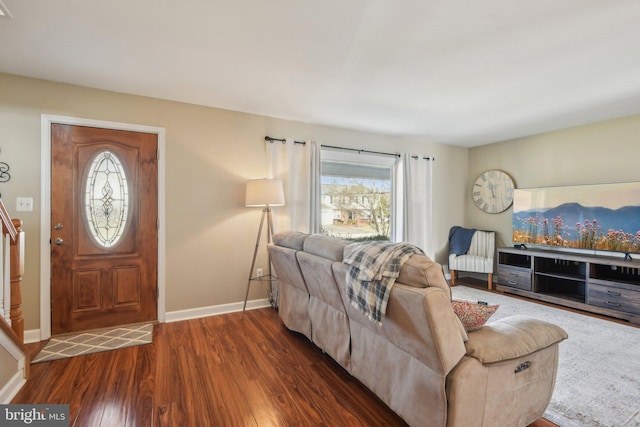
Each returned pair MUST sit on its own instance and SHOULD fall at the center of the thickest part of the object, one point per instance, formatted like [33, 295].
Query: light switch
[24, 204]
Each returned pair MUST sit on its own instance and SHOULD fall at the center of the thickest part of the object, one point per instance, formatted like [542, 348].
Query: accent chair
[479, 258]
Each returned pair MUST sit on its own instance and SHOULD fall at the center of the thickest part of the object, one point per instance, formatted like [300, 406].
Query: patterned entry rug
[95, 341]
[598, 381]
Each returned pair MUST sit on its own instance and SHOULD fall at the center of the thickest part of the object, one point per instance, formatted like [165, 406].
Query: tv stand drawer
[514, 277]
[614, 298]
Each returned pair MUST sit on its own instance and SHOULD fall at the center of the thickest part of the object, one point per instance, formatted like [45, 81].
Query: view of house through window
[356, 195]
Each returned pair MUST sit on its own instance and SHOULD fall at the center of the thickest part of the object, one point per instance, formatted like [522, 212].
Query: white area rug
[95, 341]
[598, 382]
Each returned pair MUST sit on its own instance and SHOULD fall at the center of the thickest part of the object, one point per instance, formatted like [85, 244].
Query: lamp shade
[264, 192]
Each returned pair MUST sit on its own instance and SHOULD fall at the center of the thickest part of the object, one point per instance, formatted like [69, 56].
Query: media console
[598, 284]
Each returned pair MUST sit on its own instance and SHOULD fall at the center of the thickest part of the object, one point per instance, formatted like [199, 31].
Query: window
[357, 195]
[106, 199]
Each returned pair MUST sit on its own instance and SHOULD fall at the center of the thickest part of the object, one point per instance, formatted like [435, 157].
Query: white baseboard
[31, 336]
[213, 310]
[12, 387]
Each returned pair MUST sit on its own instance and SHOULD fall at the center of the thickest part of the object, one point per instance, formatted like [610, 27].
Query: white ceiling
[461, 72]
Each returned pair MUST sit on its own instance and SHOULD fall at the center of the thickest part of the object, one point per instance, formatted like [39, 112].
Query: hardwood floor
[214, 371]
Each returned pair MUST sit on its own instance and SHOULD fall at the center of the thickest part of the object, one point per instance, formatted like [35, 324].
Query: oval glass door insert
[106, 199]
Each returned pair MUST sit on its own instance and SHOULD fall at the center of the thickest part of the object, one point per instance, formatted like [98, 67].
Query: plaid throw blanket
[373, 269]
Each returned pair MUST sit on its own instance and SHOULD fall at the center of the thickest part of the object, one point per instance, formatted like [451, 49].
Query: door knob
[58, 226]
[58, 241]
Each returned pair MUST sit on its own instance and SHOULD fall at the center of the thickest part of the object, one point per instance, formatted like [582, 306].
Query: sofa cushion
[325, 246]
[420, 271]
[290, 239]
[512, 337]
[473, 314]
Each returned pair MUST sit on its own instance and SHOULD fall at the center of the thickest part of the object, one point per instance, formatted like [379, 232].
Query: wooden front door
[104, 236]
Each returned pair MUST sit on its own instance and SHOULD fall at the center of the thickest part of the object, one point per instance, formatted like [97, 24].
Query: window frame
[380, 160]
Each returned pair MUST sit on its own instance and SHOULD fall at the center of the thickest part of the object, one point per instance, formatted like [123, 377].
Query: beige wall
[604, 152]
[8, 367]
[210, 154]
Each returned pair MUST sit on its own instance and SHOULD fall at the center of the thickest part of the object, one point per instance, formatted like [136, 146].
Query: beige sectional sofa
[420, 362]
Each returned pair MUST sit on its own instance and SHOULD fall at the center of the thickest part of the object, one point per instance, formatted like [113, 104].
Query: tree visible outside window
[356, 198]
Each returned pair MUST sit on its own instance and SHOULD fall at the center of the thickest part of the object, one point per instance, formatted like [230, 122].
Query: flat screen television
[601, 217]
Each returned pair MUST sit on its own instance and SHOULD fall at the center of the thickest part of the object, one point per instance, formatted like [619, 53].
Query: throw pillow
[473, 314]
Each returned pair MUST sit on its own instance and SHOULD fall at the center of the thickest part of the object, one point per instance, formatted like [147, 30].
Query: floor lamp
[262, 193]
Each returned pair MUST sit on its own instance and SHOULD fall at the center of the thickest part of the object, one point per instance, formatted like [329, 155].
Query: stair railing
[11, 271]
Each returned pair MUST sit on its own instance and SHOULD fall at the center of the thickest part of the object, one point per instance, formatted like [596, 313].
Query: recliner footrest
[512, 337]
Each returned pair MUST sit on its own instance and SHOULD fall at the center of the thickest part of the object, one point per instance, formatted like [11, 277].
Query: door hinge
[158, 153]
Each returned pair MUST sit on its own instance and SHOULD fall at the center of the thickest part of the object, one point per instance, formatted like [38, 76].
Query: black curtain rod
[425, 157]
[361, 151]
[272, 140]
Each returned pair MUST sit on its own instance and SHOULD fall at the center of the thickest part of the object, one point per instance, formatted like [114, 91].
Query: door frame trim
[45, 209]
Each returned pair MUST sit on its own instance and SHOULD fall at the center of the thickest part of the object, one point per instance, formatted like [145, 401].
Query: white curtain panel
[298, 166]
[418, 202]
[397, 200]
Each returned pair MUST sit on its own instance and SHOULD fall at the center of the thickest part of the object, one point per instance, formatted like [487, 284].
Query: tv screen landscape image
[602, 217]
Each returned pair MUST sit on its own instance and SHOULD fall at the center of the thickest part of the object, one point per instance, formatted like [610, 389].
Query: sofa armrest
[512, 337]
